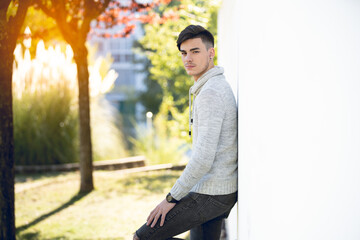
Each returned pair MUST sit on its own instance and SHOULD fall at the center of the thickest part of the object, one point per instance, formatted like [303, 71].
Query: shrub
[45, 127]
[46, 109]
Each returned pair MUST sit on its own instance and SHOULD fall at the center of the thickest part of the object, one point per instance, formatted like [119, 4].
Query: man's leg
[193, 210]
[210, 230]
[181, 218]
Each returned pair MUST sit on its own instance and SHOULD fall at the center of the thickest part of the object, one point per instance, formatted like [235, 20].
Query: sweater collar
[216, 70]
[195, 89]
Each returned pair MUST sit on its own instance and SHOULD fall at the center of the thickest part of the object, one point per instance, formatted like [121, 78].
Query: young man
[207, 189]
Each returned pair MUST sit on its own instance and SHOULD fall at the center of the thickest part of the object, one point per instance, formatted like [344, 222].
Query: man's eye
[196, 51]
[183, 53]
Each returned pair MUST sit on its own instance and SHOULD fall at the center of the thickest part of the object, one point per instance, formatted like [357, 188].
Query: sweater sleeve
[210, 112]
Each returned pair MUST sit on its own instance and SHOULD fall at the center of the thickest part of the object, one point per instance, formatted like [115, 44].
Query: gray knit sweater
[212, 168]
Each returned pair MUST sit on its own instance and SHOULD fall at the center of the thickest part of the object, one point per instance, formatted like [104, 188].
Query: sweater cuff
[178, 192]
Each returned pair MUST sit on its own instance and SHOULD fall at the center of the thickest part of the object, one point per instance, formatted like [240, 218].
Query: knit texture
[212, 168]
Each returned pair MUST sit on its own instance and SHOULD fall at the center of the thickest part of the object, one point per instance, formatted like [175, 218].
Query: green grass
[49, 206]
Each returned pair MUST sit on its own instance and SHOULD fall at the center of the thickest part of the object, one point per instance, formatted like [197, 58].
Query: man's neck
[210, 67]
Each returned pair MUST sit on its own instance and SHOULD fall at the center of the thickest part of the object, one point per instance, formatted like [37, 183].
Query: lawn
[49, 206]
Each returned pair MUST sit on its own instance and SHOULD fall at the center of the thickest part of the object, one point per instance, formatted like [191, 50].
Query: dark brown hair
[196, 31]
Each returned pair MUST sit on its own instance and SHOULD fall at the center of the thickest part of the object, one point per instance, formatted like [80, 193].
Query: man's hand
[161, 210]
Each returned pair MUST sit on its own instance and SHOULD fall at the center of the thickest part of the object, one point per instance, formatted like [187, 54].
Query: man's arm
[210, 116]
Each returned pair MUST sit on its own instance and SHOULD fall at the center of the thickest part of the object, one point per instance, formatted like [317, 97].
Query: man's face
[196, 58]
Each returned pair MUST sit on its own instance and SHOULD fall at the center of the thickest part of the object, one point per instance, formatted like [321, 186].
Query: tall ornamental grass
[46, 110]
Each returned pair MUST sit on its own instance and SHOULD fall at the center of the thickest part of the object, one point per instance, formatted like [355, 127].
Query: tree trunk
[7, 207]
[86, 166]
[7, 195]
[9, 30]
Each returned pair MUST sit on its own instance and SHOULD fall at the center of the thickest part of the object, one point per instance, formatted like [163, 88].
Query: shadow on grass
[29, 236]
[73, 200]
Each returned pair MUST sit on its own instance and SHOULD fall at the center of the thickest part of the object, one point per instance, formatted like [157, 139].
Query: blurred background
[97, 83]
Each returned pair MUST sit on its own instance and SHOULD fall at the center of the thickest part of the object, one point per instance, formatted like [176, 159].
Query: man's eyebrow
[193, 49]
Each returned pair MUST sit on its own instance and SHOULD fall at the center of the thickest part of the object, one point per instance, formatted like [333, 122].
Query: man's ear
[212, 53]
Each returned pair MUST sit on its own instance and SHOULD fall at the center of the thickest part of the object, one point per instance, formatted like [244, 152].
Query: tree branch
[92, 11]
[57, 11]
[17, 21]
[43, 7]
[104, 6]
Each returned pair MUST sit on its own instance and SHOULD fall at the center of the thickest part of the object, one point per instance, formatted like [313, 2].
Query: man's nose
[188, 58]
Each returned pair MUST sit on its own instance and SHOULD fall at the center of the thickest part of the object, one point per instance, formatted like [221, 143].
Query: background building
[129, 67]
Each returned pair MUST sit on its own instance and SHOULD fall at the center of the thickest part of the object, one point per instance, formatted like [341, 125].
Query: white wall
[296, 67]
[228, 46]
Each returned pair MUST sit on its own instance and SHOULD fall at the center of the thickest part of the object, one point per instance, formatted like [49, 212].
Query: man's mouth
[189, 66]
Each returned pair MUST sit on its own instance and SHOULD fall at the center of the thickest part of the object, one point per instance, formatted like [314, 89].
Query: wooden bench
[115, 164]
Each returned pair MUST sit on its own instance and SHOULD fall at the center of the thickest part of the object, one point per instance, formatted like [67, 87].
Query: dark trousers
[201, 214]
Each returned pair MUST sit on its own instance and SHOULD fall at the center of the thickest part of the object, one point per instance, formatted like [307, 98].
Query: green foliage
[152, 99]
[45, 127]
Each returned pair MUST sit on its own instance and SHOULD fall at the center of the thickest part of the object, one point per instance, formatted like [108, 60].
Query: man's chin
[190, 72]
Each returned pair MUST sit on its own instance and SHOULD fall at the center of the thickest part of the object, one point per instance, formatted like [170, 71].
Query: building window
[117, 57]
[123, 58]
[126, 77]
[121, 44]
[128, 57]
